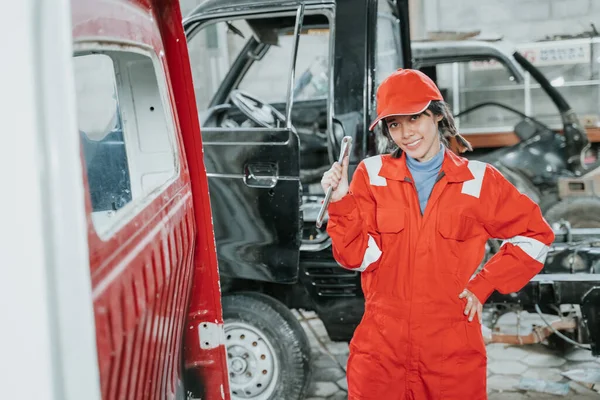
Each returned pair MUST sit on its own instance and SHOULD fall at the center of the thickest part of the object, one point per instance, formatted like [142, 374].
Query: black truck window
[254, 56]
[264, 47]
[212, 51]
[268, 77]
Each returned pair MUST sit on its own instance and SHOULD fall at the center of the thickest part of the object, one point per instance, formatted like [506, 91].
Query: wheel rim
[253, 367]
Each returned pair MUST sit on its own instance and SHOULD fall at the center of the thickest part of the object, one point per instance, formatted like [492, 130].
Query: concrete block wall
[515, 20]
[188, 5]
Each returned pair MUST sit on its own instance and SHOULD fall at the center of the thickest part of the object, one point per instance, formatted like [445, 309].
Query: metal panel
[257, 229]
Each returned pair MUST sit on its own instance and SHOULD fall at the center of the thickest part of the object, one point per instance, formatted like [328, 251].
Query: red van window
[127, 136]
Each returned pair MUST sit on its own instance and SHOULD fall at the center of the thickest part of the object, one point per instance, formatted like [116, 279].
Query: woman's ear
[438, 117]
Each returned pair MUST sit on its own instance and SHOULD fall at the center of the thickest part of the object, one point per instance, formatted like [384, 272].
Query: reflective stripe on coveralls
[372, 254]
[473, 187]
[414, 341]
[373, 165]
[535, 249]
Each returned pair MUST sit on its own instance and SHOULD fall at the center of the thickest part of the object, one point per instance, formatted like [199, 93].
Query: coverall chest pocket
[390, 220]
[458, 227]
[390, 225]
[455, 231]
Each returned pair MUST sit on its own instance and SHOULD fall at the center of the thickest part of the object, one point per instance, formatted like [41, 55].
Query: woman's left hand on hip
[473, 307]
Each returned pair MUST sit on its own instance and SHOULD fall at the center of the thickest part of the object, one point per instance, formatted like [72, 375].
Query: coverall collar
[453, 167]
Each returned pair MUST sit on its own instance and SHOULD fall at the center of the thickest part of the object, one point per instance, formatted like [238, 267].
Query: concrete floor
[507, 366]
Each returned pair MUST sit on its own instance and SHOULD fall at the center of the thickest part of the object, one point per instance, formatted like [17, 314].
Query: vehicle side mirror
[526, 129]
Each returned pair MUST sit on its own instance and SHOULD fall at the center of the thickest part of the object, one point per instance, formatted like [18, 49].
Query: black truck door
[251, 155]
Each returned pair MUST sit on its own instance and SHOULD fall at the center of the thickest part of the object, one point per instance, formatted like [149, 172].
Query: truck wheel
[581, 212]
[268, 352]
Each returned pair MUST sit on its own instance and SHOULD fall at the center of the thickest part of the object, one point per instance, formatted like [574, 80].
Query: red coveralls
[414, 341]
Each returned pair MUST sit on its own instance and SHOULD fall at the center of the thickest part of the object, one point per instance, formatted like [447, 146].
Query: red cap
[405, 92]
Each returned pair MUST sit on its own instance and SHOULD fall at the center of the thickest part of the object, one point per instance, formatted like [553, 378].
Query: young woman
[415, 223]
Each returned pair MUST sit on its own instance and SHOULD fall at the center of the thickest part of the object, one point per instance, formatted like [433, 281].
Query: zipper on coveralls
[410, 180]
[409, 355]
[412, 183]
[422, 215]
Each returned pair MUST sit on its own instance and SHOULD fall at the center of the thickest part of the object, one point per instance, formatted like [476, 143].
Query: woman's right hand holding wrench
[337, 178]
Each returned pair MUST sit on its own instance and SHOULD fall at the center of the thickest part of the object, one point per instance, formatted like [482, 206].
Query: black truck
[278, 84]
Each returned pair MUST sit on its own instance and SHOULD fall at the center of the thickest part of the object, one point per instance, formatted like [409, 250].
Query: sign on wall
[544, 54]
[556, 53]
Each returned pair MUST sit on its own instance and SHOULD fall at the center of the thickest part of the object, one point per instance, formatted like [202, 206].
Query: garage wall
[515, 20]
[188, 5]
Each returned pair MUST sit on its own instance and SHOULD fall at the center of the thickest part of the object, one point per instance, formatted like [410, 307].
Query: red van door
[133, 116]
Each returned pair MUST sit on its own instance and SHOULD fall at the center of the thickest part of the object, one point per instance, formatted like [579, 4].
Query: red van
[115, 291]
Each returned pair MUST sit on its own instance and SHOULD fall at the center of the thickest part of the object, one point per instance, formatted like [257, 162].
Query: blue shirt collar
[423, 166]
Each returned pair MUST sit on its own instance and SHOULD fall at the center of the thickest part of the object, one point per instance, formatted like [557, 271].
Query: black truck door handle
[261, 175]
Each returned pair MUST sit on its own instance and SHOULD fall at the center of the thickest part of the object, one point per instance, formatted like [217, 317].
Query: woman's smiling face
[417, 135]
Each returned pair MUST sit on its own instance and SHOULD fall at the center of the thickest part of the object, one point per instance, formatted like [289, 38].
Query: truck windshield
[312, 67]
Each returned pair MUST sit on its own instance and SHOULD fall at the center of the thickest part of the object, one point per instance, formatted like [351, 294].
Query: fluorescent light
[560, 81]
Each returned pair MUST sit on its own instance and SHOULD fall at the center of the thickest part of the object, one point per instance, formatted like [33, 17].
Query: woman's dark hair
[447, 128]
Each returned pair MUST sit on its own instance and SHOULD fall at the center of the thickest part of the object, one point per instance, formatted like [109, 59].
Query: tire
[581, 212]
[268, 353]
